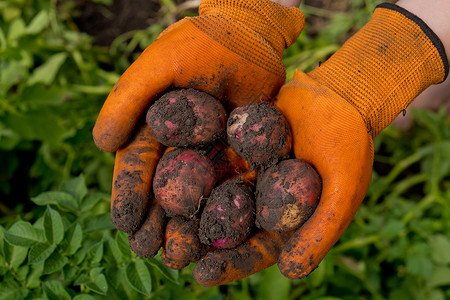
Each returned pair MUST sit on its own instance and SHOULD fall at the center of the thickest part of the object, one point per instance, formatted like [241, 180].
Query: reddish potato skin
[182, 179]
[186, 117]
[287, 195]
[259, 133]
[228, 216]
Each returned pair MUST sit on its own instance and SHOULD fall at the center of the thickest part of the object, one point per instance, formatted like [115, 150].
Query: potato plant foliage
[57, 240]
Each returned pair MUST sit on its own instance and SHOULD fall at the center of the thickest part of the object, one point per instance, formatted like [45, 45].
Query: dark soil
[105, 22]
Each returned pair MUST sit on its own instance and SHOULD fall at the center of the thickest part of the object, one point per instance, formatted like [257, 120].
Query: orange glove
[232, 51]
[335, 111]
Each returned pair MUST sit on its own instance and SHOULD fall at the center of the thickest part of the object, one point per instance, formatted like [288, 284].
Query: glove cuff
[279, 25]
[385, 65]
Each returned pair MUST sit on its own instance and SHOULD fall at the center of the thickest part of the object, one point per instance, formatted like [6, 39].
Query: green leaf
[99, 223]
[76, 187]
[24, 234]
[436, 295]
[39, 95]
[112, 255]
[41, 124]
[273, 285]
[92, 199]
[53, 226]
[55, 263]
[419, 264]
[69, 272]
[40, 252]
[16, 29]
[95, 253]
[15, 255]
[139, 277]
[171, 274]
[39, 22]
[10, 290]
[123, 244]
[440, 277]
[83, 297]
[46, 72]
[441, 249]
[54, 290]
[98, 282]
[62, 200]
[34, 278]
[73, 239]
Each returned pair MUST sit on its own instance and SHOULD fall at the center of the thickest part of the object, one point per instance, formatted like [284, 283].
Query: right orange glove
[335, 111]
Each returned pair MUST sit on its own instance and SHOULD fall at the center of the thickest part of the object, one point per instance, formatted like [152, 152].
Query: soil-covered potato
[259, 133]
[287, 195]
[186, 117]
[183, 178]
[228, 216]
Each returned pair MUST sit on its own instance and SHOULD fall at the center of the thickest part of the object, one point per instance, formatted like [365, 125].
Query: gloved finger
[132, 180]
[331, 135]
[226, 265]
[181, 242]
[130, 98]
[148, 239]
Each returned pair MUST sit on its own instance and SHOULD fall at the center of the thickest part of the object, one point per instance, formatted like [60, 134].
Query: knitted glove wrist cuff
[385, 65]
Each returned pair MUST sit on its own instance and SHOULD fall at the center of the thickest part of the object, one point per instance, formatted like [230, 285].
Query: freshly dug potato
[287, 195]
[228, 216]
[259, 133]
[186, 117]
[182, 245]
[182, 179]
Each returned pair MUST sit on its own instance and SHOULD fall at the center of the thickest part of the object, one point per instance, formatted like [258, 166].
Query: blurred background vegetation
[58, 62]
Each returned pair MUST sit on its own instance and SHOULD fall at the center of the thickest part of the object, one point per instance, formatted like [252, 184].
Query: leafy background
[58, 61]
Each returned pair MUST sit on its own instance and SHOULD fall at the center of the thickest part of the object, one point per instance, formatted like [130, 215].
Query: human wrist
[434, 14]
[288, 3]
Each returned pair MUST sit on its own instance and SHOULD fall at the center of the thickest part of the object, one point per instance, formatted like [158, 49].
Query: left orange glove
[232, 51]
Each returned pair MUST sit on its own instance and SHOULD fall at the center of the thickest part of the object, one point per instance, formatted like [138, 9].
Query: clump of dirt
[106, 22]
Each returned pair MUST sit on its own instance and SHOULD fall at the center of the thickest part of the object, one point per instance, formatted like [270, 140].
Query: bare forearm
[434, 14]
[288, 3]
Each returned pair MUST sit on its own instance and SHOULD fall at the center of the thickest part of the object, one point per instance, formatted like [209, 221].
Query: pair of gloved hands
[233, 51]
